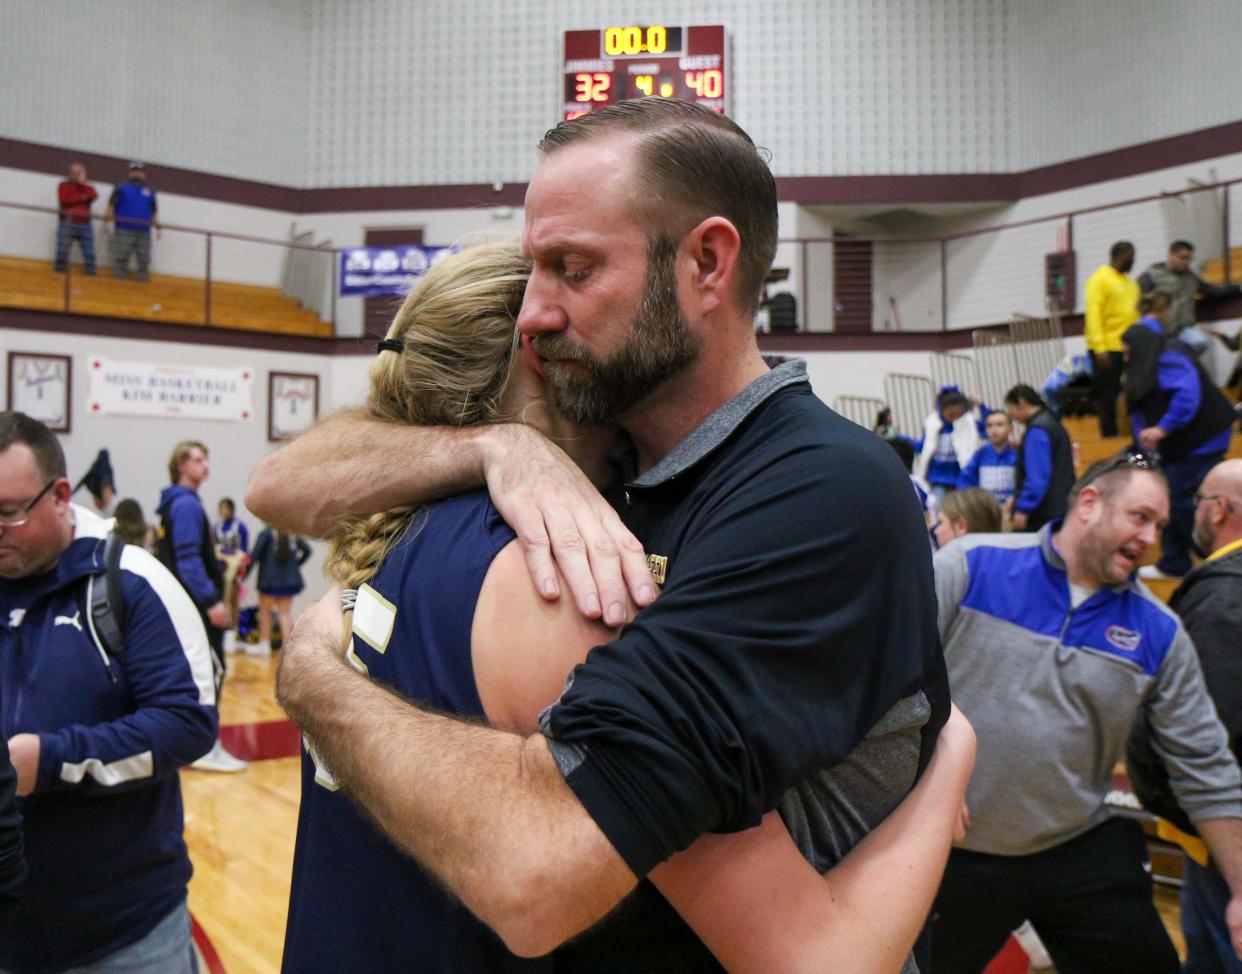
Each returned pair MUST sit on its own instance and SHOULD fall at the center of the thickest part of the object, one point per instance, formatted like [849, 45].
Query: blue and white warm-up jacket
[103, 827]
[1052, 690]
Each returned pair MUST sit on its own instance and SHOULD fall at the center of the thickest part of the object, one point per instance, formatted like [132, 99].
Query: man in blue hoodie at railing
[99, 718]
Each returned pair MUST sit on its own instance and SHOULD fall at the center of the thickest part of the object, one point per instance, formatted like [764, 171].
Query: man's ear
[1089, 498]
[62, 493]
[713, 247]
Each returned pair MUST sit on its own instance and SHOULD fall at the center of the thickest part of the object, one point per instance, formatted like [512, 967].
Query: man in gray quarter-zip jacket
[1052, 647]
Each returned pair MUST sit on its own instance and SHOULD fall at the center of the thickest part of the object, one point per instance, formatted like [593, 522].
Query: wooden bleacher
[181, 300]
[1213, 271]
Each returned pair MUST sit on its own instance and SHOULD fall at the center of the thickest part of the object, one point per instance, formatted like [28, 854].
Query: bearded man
[780, 534]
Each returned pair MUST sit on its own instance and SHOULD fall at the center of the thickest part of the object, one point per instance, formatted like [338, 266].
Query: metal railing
[193, 265]
[958, 280]
[911, 398]
[974, 277]
[955, 369]
[862, 410]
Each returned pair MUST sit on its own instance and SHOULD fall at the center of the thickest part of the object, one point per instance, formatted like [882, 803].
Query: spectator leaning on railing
[75, 196]
[1183, 286]
[134, 208]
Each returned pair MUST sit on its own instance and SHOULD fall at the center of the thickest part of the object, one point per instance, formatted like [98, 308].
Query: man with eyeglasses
[1209, 602]
[97, 732]
[1053, 647]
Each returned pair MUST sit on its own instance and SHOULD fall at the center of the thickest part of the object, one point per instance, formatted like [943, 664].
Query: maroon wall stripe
[452, 197]
[965, 188]
[1178, 150]
[820, 190]
[24, 319]
[169, 179]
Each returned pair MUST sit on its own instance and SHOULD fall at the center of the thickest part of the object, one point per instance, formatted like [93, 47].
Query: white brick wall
[212, 85]
[367, 92]
[1090, 77]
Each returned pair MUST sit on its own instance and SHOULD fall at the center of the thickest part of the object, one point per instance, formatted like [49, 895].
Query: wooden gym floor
[240, 829]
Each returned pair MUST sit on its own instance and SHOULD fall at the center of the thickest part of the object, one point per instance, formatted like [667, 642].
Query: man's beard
[659, 345]
[1095, 557]
[1201, 538]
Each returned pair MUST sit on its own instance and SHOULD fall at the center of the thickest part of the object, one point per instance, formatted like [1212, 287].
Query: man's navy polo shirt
[798, 606]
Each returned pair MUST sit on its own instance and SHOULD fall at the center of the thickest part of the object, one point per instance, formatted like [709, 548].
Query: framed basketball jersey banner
[292, 403]
[41, 386]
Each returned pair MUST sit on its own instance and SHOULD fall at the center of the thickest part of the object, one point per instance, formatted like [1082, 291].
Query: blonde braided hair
[459, 335]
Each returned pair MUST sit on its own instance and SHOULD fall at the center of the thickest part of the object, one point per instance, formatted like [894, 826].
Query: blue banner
[369, 272]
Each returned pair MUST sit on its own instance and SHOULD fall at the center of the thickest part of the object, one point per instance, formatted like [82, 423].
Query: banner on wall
[369, 272]
[125, 388]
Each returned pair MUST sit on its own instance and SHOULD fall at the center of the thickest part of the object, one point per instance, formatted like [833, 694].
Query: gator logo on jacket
[1126, 640]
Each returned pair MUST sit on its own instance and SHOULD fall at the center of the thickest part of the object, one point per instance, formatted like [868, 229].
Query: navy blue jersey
[357, 902]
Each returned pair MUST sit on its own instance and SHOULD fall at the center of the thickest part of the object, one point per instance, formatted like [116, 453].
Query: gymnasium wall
[857, 86]
[213, 85]
[1089, 77]
[376, 92]
[140, 446]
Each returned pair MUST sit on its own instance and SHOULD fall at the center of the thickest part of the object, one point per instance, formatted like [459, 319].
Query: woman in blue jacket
[1177, 412]
[280, 558]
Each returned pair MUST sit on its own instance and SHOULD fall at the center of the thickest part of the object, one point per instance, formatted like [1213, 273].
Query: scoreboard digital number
[611, 64]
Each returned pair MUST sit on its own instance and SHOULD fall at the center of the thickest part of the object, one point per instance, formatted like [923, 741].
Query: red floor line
[1011, 960]
[262, 741]
[206, 949]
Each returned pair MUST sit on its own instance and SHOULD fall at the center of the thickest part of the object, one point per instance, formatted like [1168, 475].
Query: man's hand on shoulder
[24, 754]
[558, 515]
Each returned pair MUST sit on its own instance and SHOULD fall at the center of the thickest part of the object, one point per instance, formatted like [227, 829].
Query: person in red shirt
[75, 195]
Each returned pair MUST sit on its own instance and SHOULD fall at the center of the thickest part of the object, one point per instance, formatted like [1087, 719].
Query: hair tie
[389, 345]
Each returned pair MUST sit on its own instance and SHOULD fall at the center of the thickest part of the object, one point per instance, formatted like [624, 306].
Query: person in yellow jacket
[1112, 307]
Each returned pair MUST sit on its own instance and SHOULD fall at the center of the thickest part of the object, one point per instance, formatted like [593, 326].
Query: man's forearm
[1224, 840]
[486, 811]
[352, 463]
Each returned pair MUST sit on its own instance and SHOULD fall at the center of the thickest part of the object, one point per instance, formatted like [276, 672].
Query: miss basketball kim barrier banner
[124, 388]
[369, 272]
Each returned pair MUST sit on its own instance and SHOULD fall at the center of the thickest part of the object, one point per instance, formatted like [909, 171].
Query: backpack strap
[108, 601]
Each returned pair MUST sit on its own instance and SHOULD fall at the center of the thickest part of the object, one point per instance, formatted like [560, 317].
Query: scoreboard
[611, 64]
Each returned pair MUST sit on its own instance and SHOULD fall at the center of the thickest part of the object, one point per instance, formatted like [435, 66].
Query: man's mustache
[557, 348]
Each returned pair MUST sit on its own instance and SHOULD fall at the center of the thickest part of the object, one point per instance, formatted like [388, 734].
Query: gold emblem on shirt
[658, 566]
